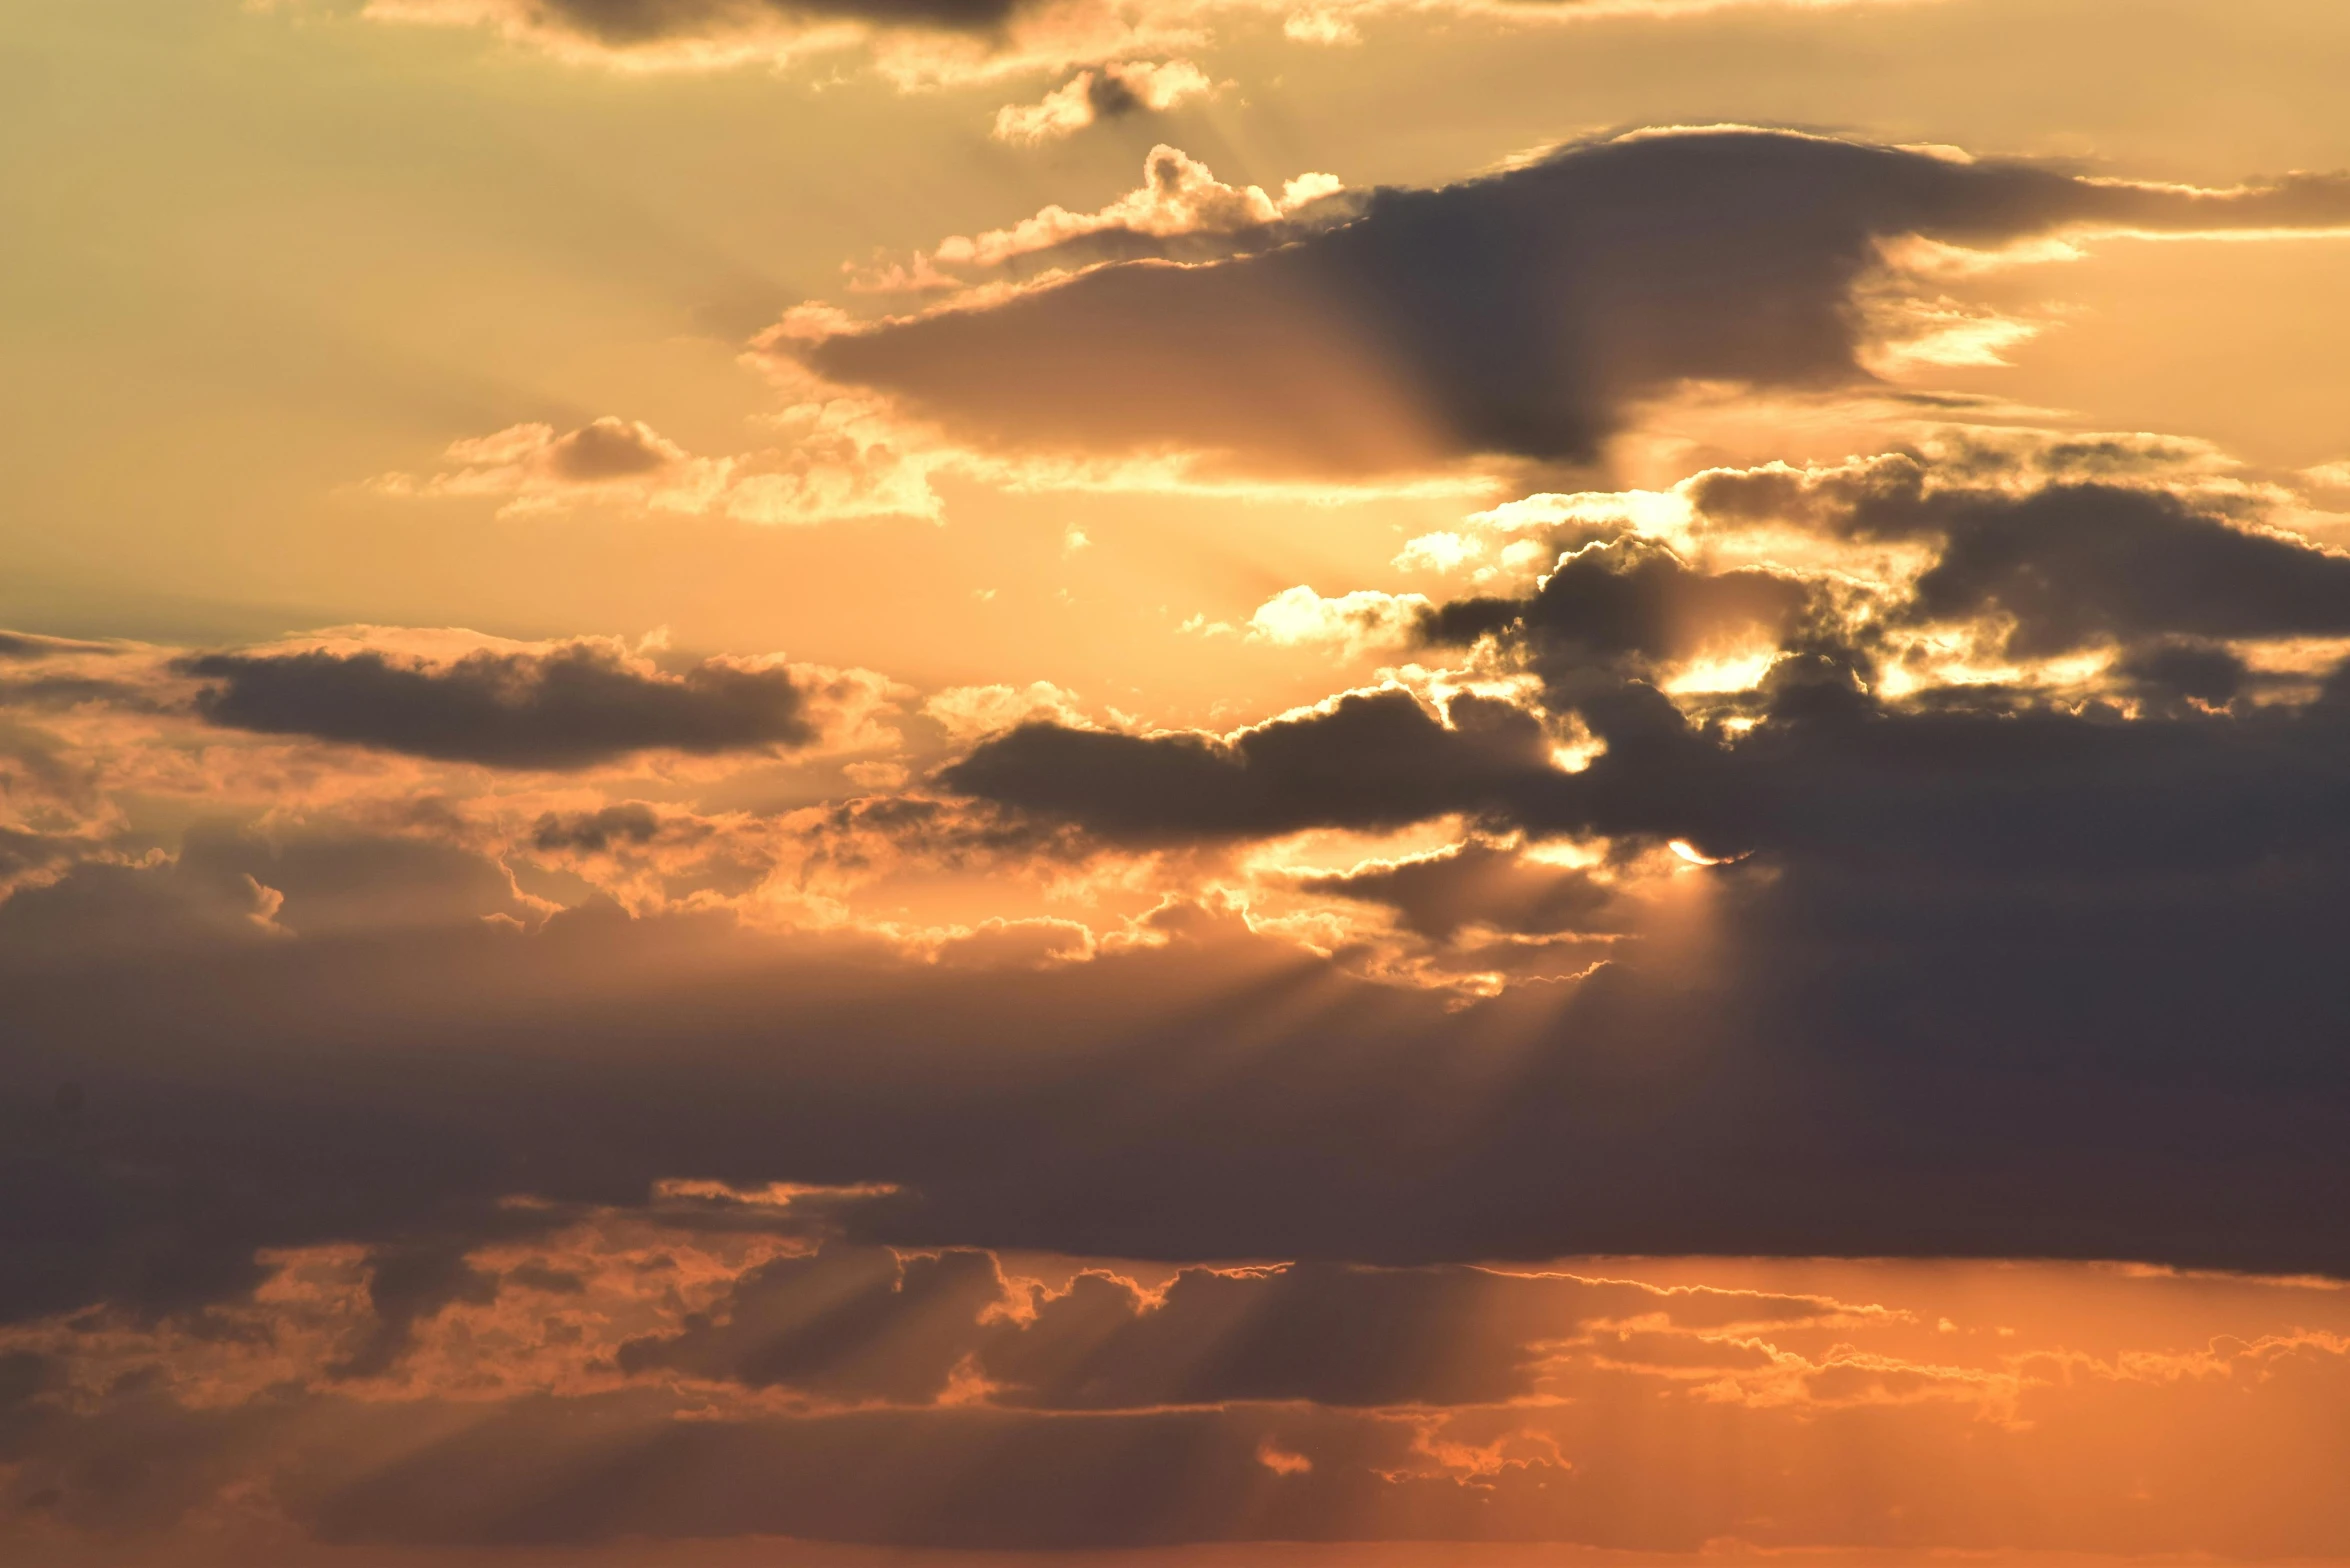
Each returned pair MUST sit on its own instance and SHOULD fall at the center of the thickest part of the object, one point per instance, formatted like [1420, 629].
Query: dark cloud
[571, 706]
[1377, 761]
[229, 885]
[957, 1479]
[1629, 599]
[1328, 1334]
[2182, 669]
[60, 688]
[854, 1323]
[70, 691]
[27, 856]
[1475, 884]
[958, 834]
[29, 646]
[1828, 770]
[627, 23]
[1632, 1463]
[24, 1375]
[864, 1323]
[608, 448]
[1520, 313]
[2062, 566]
[408, 1285]
[1996, 976]
[1992, 983]
[2081, 565]
[1108, 95]
[1372, 760]
[595, 832]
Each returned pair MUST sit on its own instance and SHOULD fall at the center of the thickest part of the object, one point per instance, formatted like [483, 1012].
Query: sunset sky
[1174, 783]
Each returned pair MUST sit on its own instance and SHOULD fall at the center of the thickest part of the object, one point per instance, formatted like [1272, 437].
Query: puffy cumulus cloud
[967, 713]
[553, 706]
[1522, 538]
[1112, 92]
[925, 42]
[1354, 621]
[1524, 314]
[1181, 210]
[1630, 600]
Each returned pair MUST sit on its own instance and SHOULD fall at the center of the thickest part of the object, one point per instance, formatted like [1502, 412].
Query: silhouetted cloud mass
[621, 23]
[1520, 313]
[567, 707]
[1629, 599]
[1372, 759]
[1474, 884]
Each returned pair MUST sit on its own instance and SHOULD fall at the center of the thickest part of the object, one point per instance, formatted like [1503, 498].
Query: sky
[1174, 783]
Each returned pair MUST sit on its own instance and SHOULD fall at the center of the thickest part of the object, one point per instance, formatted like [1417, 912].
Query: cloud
[564, 705]
[1509, 1415]
[1180, 210]
[406, 1287]
[2080, 561]
[622, 22]
[1353, 621]
[1629, 599]
[1824, 768]
[26, 646]
[2085, 565]
[2184, 669]
[1112, 92]
[2074, 928]
[968, 713]
[853, 1323]
[1522, 314]
[858, 1324]
[1475, 884]
[1749, 709]
[838, 457]
[1370, 759]
[919, 43]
